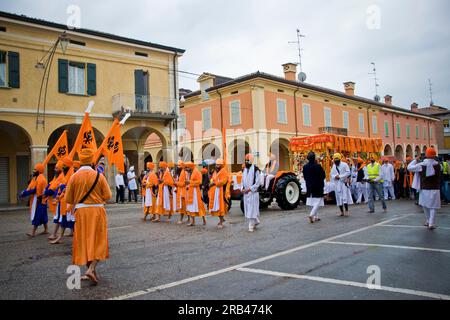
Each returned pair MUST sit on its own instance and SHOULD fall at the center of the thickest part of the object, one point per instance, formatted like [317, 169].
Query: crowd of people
[425, 179]
[76, 197]
[79, 190]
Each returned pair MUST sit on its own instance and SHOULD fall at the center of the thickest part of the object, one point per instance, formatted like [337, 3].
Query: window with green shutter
[398, 130]
[386, 129]
[408, 131]
[417, 132]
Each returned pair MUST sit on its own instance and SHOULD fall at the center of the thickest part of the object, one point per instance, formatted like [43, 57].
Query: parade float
[325, 145]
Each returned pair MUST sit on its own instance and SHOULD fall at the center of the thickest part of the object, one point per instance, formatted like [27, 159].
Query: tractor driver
[271, 170]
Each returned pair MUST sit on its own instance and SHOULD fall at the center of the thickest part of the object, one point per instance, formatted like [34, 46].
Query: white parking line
[348, 283]
[409, 226]
[249, 263]
[115, 228]
[386, 246]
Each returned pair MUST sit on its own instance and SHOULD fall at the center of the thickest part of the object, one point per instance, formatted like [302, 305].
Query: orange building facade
[261, 112]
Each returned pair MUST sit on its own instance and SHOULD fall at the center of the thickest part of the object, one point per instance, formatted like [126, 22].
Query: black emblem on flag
[61, 151]
[87, 137]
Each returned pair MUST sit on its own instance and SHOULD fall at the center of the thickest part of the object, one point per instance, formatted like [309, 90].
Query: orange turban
[204, 171]
[67, 162]
[76, 164]
[190, 165]
[249, 157]
[430, 153]
[39, 167]
[219, 162]
[86, 156]
[163, 165]
[150, 165]
[171, 165]
[408, 158]
[360, 160]
[180, 164]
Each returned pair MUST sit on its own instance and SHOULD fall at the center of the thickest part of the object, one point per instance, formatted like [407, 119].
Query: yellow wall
[115, 66]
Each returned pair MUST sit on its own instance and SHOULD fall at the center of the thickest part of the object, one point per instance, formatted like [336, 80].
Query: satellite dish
[377, 98]
[302, 77]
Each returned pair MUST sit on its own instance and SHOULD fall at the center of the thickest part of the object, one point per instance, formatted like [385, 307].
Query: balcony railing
[146, 106]
[334, 130]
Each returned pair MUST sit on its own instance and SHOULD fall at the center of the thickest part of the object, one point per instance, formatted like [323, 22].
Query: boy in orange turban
[51, 192]
[150, 184]
[194, 204]
[217, 204]
[38, 207]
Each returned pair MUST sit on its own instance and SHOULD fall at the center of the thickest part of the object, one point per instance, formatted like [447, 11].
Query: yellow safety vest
[445, 168]
[373, 171]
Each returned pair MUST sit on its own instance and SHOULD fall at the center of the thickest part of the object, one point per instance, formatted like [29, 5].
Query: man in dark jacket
[314, 176]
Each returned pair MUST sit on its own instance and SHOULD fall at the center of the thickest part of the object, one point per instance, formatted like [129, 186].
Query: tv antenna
[375, 79]
[301, 75]
[431, 92]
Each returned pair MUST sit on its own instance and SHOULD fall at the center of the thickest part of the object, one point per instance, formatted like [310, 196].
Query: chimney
[414, 107]
[349, 88]
[290, 71]
[388, 100]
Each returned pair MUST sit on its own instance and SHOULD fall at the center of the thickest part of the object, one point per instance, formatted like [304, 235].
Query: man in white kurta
[340, 174]
[387, 171]
[430, 195]
[249, 188]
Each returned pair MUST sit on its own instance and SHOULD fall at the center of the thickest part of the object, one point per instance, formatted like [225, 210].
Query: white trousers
[361, 190]
[269, 178]
[390, 190]
[315, 210]
[430, 215]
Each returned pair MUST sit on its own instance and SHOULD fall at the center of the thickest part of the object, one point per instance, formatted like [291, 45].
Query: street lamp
[46, 64]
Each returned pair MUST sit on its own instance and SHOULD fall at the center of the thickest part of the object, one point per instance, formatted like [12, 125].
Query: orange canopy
[336, 143]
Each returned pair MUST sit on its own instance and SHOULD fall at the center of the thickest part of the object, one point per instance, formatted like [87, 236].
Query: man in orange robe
[180, 190]
[171, 170]
[66, 220]
[150, 182]
[217, 204]
[194, 204]
[51, 193]
[88, 191]
[38, 207]
[165, 183]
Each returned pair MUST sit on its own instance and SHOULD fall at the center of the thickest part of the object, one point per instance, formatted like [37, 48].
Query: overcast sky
[408, 40]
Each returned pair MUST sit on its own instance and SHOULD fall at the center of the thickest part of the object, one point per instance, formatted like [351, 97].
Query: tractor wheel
[287, 192]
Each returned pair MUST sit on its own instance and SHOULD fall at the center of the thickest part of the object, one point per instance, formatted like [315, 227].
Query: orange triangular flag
[59, 150]
[85, 138]
[112, 147]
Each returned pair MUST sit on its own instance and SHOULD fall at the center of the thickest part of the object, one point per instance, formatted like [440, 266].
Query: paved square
[287, 258]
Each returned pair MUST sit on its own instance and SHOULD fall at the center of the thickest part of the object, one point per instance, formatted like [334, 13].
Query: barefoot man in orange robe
[180, 191]
[217, 205]
[150, 183]
[194, 204]
[164, 190]
[88, 191]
